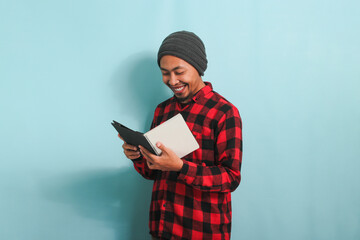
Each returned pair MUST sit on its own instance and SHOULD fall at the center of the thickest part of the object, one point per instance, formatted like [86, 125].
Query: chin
[183, 99]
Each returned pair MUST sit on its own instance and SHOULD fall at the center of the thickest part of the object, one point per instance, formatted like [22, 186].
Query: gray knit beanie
[187, 46]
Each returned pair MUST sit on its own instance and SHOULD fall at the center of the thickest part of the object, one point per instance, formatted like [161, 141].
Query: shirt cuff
[138, 159]
[188, 172]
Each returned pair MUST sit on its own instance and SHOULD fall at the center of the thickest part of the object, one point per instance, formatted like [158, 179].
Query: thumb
[161, 147]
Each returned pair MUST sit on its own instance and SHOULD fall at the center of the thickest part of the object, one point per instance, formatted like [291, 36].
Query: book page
[174, 134]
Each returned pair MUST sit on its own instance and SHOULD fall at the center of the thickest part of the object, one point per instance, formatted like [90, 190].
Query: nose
[173, 81]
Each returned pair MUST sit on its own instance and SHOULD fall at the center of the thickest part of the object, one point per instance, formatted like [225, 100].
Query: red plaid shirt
[195, 203]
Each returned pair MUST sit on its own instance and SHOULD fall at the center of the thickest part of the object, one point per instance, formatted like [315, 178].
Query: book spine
[153, 147]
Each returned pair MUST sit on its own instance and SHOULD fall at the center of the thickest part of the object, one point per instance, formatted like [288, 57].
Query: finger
[134, 156]
[142, 151]
[161, 147]
[130, 147]
[149, 160]
[131, 152]
[145, 151]
[120, 137]
[150, 165]
[147, 154]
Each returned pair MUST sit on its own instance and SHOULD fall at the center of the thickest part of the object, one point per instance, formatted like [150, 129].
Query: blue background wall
[68, 68]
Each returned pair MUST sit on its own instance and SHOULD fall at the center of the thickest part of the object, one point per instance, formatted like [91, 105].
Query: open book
[174, 134]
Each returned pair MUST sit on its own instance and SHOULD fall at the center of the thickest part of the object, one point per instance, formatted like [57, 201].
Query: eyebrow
[175, 68]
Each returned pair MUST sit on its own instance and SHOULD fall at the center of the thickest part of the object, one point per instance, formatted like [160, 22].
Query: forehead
[169, 62]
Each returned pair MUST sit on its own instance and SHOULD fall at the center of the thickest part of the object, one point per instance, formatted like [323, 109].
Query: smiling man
[181, 77]
[191, 196]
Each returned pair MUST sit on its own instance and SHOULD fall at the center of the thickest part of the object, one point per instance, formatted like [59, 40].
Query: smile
[178, 89]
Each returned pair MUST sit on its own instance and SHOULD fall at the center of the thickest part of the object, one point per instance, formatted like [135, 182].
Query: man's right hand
[131, 152]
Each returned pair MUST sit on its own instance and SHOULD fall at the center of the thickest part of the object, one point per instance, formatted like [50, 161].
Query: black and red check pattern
[195, 203]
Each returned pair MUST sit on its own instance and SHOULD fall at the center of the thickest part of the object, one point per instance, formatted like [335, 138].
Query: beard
[184, 100]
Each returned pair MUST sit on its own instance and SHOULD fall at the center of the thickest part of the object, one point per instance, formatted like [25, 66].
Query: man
[191, 196]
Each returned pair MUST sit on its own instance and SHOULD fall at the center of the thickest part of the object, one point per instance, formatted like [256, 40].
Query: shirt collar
[203, 92]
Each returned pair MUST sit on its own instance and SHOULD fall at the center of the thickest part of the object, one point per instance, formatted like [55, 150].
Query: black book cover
[132, 137]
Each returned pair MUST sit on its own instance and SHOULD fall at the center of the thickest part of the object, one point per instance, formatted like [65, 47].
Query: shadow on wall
[120, 199]
[139, 88]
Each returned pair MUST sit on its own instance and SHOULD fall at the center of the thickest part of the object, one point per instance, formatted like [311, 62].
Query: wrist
[181, 163]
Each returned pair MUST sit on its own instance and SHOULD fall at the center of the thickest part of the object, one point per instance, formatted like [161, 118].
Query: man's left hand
[167, 161]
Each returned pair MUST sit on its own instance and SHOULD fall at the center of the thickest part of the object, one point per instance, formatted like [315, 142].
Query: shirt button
[164, 205]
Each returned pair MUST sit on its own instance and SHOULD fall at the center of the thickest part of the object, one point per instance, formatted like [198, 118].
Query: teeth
[178, 89]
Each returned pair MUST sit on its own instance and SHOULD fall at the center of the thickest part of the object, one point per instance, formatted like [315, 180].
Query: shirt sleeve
[141, 167]
[225, 176]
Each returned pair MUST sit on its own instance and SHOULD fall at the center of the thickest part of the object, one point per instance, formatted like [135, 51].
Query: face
[181, 77]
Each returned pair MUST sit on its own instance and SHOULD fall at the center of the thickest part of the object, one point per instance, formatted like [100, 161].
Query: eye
[179, 73]
[165, 73]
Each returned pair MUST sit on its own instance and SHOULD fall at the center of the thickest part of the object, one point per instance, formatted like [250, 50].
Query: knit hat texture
[187, 46]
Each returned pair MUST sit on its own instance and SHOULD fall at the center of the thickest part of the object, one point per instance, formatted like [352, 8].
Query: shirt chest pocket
[202, 130]
[205, 154]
